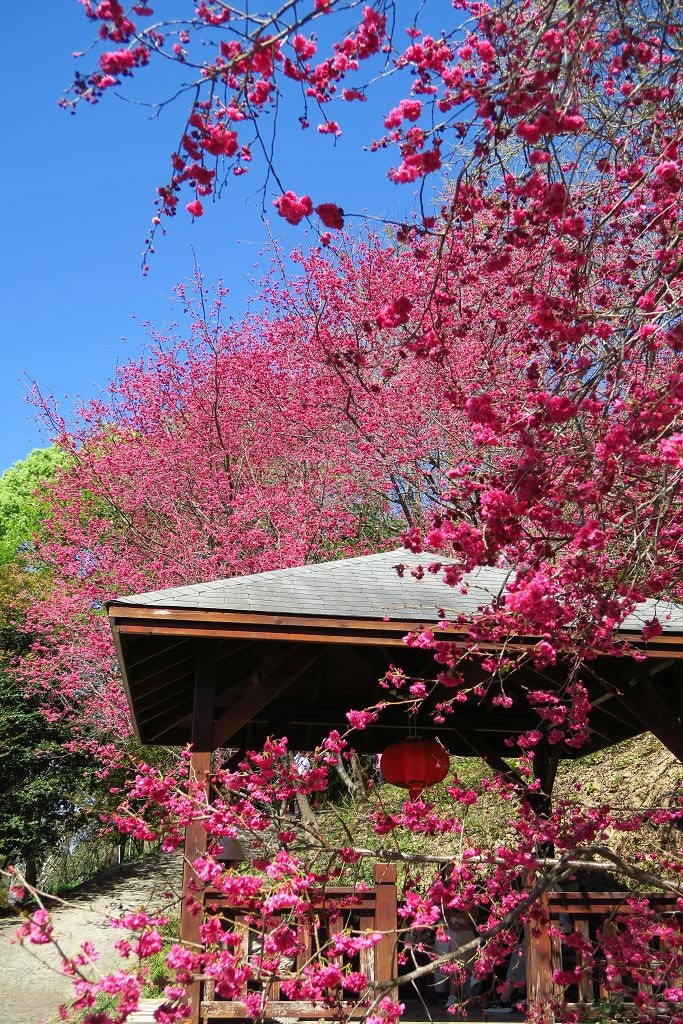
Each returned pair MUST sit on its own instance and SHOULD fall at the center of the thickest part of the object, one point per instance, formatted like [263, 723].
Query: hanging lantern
[414, 764]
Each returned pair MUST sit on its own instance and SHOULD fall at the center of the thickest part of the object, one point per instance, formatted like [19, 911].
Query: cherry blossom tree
[290, 437]
[554, 131]
[499, 380]
[309, 428]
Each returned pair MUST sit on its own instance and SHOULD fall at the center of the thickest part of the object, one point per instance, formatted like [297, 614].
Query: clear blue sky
[78, 197]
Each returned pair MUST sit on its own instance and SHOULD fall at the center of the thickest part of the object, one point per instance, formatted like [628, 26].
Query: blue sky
[78, 198]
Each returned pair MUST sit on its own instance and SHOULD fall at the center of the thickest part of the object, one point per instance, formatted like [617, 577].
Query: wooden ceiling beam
[134, 663]
[483, 749]
[194, 707]
[227, 651]
[275, 677]
[618, 713]
[232, 673]
[165, 718]
[157, 682]
[171, 669]
[171, 696]
[180, 715]
[163, 661]
[506, 723]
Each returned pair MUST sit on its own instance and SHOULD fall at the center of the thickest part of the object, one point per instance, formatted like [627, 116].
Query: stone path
[30, 987]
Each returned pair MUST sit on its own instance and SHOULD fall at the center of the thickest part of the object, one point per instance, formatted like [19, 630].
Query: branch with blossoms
[501, 383]
[515, 102]
[39, 930]
[290, 874]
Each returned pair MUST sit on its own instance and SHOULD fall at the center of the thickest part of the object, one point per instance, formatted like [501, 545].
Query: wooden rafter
[152, 685]
[168, 648]
[157, 727]
[275, 677]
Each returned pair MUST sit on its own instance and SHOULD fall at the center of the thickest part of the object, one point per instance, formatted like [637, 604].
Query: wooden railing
[591, 914]
[342, 908]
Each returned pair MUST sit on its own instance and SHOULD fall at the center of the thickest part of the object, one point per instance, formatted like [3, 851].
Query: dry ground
[30, 987]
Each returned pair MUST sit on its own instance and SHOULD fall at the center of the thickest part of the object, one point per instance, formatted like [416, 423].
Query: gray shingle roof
[366, 587]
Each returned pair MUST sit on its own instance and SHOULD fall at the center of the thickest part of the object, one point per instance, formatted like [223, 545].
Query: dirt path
[30, 988]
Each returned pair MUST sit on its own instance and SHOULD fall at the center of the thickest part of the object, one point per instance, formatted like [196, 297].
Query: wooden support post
[386, 921]
[542, 952]
[204, 697]
[195, 835]
[195, 846]
[540, 957]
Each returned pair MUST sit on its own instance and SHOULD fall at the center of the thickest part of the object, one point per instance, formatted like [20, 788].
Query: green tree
[21, 507]
[38, 773]
[38, 805]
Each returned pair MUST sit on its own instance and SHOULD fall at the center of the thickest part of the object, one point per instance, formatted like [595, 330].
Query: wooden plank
[179, 715]
[669, 952]
[342, 896]
[380, 636]
[154, 704]
[655, 648]
[144, 679]
[119, 611]
[228, 651]
[165, 715]
[209, 989]
[241, 929]
[368, 957]
[147, 655]
[152, 612]
[168, 698]
[282, 1008]
[386, 921]
[609, 929]
[266, 688]
[584, 906]
[305, 940]
[290, 636]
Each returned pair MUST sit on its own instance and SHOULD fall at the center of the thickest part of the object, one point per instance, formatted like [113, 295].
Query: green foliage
[484, 823]
[43, 786]
[159, 974]
[21, 508]
[40, 803]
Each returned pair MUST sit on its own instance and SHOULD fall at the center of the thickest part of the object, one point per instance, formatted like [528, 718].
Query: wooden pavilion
[231, 662]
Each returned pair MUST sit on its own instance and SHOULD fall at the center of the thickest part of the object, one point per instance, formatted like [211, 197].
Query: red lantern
[414, 764]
